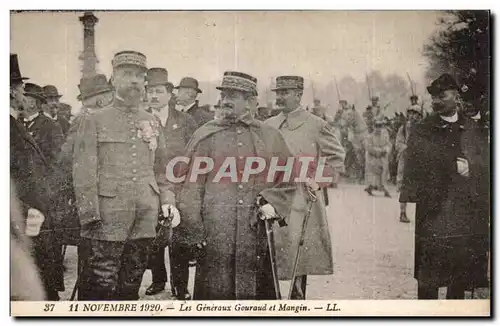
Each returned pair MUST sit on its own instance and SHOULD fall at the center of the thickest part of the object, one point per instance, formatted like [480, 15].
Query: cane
[272, 256]
[312, 196]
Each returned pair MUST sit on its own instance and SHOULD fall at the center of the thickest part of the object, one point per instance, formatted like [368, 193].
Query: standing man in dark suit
[29, 173]
[52, 97]
[187, 92]
[178, 128]
[47, 133]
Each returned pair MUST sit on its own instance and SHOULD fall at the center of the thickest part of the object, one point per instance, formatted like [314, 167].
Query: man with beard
[220, 212]
[177, 127]
[117, 192]
[29, 172]
[447, 175]
[46, 132]
[187, 91]
[413, 115]
[312, 137]
[52, 97]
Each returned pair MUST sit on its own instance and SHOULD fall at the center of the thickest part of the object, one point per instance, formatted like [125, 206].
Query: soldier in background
[52, 97]
[319, 110]
[372, 113]
[177, 127]
[263, 113]
[117, 192]
[413, 116]
[187, 92]
[378, 147]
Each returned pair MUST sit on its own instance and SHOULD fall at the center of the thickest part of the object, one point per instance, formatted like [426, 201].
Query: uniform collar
[294, 119]
[452, 119]
[119, 103]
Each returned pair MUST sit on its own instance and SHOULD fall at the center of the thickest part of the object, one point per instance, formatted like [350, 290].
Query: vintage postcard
[250, 163]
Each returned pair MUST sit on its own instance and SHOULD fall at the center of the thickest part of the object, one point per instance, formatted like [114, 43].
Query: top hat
[15, 72]
[414, 97]
[189, 82]
[442, 83]
[157, 76]
[343, 101]
[91, 86]
[239, 81]
[289, 82]
[34, 90]
[51, 91]
[374, 98]
[414, 108]
[129, 58]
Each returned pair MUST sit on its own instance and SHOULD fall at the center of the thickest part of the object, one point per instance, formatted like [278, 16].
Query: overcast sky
[316, 45]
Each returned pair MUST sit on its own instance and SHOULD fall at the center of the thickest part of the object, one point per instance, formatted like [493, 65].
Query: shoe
[183, 295]
[403, 218]
[369, 191]
[155, 288]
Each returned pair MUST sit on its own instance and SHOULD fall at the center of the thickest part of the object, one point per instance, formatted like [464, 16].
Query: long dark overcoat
[452, 212]
[224, 212]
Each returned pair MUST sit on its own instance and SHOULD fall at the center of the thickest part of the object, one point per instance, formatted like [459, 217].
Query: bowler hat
[129, 58]
[239, 81]
[34, 90]
[91, 86]
[414, 97]
[15, 72]
[51, 91]
[442, 83]
[156, 76]
[374, 98]
[189, 82]
[289, 82]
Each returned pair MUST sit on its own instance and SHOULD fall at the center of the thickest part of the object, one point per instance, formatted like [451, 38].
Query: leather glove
[267, 212]
[462, 167]
[34, 222]
[169, 210]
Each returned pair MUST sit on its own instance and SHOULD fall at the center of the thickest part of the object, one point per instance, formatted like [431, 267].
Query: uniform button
[240, 201]
[240, 186]
[134, 171]
[131, 122]
[133, 146]
[132, 130]
[134, 178]
[133, 138]
[238, 132]
[240, 144]
[134, 162]
[130, 116]
[134, 154]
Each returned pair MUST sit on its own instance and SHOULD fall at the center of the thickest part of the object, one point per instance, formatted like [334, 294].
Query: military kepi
[239, 81]
[289, 82]
[15, 72]
[129, 58]
[442, 83]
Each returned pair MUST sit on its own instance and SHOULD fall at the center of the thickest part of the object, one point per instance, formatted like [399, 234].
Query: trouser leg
[101, 266]
[299, 288]
[455, 291]
[427, 292]
[134, 261]
[179, 266]
[157, 263]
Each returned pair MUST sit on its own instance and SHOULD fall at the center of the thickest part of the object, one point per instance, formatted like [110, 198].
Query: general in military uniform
[117, 192]
[310, 136]
[177, 127]
[223, 214]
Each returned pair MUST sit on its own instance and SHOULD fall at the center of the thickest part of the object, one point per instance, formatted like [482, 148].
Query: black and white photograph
[250, 163]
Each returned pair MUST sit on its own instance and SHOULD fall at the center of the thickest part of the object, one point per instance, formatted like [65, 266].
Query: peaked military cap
[15, 72]
[442, 83]
[289, 82]
[239, 81]
[129, 58]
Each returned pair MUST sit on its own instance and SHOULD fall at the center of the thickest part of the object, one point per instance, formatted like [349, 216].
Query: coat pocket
[107, 189]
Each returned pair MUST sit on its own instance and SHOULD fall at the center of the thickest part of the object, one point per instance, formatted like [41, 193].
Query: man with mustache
[221, 215]
[447, 175]
[117, 191]
[312, 137]
[177, 127]
[52, 97]
[187, 91]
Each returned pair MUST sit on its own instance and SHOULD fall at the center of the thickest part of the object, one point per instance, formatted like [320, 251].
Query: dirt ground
[373, 252]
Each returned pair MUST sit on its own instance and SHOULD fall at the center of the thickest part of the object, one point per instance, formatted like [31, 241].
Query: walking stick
[272, 256]
[312, 196]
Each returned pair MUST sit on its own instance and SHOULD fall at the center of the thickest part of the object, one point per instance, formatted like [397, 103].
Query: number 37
[49, 307]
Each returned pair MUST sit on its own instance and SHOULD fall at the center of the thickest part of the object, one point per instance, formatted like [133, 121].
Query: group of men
[103, 183]
[108, 189]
